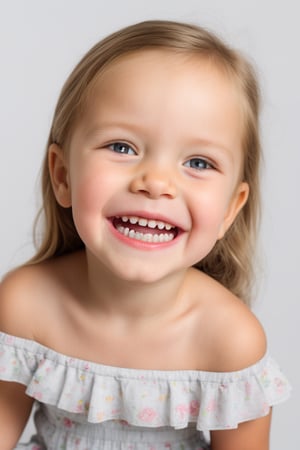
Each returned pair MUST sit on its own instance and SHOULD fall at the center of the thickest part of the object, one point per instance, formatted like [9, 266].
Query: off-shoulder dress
[83, 405]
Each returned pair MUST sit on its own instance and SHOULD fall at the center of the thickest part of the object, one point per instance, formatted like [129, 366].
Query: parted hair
[231, 260]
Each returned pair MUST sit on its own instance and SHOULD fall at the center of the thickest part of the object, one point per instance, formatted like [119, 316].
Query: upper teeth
[147, 223]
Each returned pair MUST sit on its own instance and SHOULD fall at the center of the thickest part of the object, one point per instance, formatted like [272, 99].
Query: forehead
[154, 65]
[161, 87]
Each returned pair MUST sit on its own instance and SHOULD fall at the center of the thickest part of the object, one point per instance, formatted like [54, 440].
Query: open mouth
[146, 230]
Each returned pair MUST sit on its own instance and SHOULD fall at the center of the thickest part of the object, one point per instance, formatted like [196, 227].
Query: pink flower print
[211, 406]
[67, 422]
[147, 415]
[2, 369]
[38, 395]
[87, 367]
[142, 378]
[183, 411]
[279, 385]
[167, 445]
[194, 408]
[9, 340]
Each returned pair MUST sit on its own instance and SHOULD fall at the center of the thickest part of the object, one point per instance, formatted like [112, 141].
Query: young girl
[129, 328]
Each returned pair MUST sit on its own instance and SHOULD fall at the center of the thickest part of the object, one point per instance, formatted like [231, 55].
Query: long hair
[231, 260]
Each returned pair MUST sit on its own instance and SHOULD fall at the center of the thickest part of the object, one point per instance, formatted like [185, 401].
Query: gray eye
[121, 147]
[198, 164]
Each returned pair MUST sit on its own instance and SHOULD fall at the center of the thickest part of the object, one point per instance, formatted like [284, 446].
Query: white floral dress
[88, 406]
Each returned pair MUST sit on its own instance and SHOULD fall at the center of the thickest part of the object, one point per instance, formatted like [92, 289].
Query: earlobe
[59, 175]
[238, 200]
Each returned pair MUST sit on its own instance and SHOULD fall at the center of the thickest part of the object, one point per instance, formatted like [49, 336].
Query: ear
[59, 175]
[236, 204]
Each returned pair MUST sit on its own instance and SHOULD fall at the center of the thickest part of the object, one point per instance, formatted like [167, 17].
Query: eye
[198, 164]
[121, 147]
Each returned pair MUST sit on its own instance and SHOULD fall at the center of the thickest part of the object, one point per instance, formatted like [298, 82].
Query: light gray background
[40, 41]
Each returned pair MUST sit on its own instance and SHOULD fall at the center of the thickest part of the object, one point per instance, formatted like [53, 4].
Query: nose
[154, 184]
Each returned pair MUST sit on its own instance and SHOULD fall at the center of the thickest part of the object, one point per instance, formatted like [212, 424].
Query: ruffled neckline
[94, 393]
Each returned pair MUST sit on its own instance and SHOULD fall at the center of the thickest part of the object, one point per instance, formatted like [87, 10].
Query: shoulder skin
[19, 292]
[33, 297]
[233, 336]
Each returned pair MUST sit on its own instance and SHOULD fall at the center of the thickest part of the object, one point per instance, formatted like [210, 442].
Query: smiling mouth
[145, 230]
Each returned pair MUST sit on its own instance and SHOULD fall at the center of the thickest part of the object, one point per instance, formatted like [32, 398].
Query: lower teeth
[147, 237]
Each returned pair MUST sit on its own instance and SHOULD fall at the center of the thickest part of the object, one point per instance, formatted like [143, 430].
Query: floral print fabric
[88, 406]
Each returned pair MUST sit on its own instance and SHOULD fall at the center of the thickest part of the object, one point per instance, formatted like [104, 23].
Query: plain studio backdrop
[41, 41]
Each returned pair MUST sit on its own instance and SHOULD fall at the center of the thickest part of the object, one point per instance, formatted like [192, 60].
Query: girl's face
[154, 164]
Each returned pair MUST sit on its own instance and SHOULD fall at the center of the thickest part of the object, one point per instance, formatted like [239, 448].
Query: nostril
[154, 185]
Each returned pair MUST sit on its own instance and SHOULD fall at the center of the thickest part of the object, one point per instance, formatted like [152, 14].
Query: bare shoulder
[29, 297]
[19, 292]
[235, 338]
[240, 337]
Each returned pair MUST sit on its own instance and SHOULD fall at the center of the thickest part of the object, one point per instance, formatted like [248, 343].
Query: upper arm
[15, 408]
[250, 435]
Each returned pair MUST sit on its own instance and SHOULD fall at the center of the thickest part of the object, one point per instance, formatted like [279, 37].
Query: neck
[132, 300]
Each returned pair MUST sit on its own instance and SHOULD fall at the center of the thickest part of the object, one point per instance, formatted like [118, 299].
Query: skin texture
[159, 139]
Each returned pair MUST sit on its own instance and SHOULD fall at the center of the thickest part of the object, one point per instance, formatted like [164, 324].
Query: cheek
[88, 197]
[209, 210]
[90, 186]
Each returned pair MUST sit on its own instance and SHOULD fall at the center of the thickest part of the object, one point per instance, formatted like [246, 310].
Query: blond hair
[231, 260]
